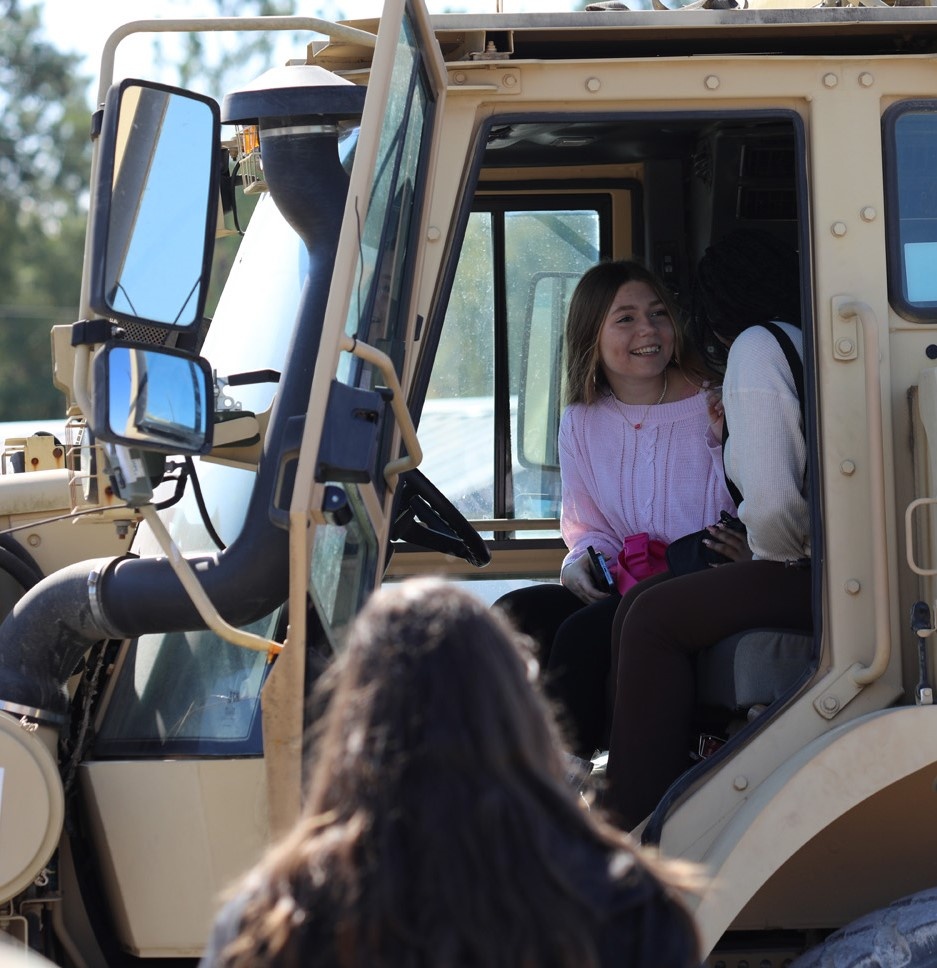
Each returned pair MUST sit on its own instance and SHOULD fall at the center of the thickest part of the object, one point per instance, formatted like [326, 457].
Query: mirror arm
[85, 334]
[81, 381]
[197, 593]
[251, 377]
[227, 404]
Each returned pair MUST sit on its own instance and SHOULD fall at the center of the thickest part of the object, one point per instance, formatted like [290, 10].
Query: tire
[903, 934]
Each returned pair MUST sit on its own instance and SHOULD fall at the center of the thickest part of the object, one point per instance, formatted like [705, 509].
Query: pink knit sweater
[665, 479]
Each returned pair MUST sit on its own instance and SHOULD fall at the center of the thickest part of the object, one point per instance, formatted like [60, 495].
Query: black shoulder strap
[794, 362]
[797, 372]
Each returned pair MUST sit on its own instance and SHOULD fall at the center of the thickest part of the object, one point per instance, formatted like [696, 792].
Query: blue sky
[83, 28]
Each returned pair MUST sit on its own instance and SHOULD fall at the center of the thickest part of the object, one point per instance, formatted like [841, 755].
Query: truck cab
[372, 380]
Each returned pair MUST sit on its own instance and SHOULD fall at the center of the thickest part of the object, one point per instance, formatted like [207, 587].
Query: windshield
[193, 692]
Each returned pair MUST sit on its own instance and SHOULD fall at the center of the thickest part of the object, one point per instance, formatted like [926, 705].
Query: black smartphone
[730, 521]
[601, 574]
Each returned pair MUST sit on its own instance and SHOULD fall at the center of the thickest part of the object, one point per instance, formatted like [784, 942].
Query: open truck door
[348, 462]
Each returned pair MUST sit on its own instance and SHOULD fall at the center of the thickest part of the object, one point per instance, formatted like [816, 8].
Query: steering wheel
[426, 517]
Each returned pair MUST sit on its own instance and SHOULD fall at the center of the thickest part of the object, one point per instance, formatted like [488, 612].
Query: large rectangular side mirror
[156, 199]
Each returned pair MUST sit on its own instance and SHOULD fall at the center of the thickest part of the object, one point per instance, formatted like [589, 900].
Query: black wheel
[426, 517]
[904, 933]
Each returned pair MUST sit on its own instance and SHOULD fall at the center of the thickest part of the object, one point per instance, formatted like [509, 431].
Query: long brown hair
[588, 307]
[439, 828]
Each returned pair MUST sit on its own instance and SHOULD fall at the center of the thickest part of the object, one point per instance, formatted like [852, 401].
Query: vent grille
[767, 204]
[767, 161]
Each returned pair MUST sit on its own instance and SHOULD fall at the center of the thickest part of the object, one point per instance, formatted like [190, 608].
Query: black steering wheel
[426, 517]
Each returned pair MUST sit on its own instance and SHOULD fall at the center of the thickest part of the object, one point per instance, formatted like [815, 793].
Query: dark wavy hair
[439, 830]
[588, 307]
[746, 278]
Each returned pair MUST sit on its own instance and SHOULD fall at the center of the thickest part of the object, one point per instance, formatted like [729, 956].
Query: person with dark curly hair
[747, 290]
[439, 829]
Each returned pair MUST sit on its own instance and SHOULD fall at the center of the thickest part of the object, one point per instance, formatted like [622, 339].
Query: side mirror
[541, 389]
[156, 200]
[153, 398]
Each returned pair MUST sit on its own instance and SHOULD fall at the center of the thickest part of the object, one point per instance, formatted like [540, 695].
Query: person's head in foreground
[439, 829]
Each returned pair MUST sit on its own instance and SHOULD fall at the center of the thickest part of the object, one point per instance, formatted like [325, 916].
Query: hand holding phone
[600, 571]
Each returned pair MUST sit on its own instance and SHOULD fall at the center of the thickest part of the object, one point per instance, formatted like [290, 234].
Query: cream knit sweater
[766, 453]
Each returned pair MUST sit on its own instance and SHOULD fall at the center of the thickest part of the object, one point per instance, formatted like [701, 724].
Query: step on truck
[320, 348]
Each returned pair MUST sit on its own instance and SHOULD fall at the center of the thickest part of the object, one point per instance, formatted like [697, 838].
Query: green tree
[44, 162]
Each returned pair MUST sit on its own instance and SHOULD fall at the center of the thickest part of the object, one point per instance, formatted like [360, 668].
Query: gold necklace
[647, 409]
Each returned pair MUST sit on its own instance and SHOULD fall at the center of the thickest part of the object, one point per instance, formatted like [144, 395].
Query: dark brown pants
[659, 626]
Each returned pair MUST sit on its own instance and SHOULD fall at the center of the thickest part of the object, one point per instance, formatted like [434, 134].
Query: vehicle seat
[752, 668]
[745, 673]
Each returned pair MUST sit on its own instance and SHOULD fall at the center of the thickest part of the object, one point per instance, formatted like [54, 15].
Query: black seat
[752, 668]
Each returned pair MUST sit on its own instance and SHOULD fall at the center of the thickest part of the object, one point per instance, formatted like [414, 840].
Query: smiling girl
[638, 457]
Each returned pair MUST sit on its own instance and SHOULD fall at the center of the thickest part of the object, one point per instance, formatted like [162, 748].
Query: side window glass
[491, 416]
[546, 252]
[540, 372]
[187, 693]
[910, 153]
[344, 554]
[456, 428]
[372, 315]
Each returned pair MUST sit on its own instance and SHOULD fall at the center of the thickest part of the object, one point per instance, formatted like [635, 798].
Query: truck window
[910, 153]
[489, 423]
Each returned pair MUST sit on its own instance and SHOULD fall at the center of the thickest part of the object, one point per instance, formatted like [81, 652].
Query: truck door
[339, 514]
[370, 304]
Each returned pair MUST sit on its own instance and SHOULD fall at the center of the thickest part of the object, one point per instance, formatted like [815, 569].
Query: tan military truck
[376, 394]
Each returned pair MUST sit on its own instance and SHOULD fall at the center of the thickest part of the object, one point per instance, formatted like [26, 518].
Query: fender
[826, 778]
